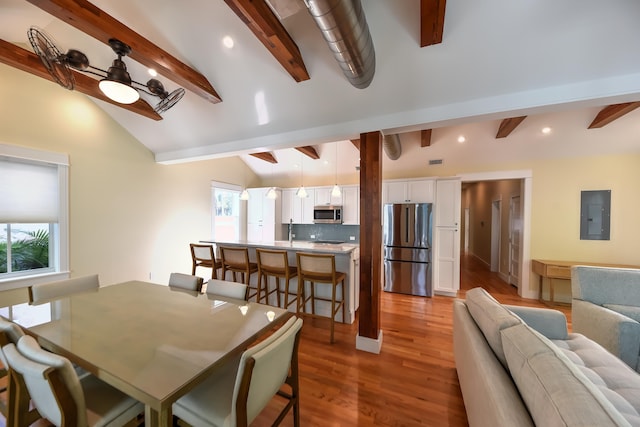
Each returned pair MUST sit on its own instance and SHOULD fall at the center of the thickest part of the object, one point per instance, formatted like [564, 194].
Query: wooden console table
[561, 270]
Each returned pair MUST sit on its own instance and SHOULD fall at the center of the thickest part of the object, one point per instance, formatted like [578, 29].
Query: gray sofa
[606, 308]
[519, 366]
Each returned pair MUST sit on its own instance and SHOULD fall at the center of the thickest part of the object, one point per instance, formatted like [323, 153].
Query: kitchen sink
[329, 242]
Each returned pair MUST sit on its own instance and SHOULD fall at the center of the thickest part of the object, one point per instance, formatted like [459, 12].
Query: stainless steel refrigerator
[407, 248]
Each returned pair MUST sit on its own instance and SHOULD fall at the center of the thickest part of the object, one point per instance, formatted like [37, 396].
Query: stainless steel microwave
[327, 214]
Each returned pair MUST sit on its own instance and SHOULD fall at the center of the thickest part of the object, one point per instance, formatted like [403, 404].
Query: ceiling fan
[115, 83]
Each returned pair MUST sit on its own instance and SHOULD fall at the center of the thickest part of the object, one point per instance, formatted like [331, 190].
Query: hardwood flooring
[412, 382]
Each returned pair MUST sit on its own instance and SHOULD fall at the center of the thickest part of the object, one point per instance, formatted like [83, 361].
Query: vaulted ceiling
[466, 64]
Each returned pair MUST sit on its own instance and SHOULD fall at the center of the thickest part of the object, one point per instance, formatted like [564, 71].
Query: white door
[515, 236]
[446, 239]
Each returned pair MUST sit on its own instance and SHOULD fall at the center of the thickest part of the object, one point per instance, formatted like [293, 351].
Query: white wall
[130, 218]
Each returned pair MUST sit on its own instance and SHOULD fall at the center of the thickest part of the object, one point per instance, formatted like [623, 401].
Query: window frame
[60, 251]
[241, 212]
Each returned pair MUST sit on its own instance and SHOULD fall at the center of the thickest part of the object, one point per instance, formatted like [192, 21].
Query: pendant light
[271, 193]
[335, 191]
[245, 194]
[302, 193]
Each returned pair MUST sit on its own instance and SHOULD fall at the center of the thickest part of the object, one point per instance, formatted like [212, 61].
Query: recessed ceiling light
[152, 72]
[461, 139]
[227, 41]
[546, 130]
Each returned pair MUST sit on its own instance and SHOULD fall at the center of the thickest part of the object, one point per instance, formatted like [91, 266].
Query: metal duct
[344, 27]
[391, 146]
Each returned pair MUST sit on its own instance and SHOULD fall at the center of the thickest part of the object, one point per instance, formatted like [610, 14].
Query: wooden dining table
[150, 341]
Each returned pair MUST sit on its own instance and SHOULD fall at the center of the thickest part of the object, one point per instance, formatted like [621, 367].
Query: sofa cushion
[616, 380]
[491, 317]
[630, 311]
[555, 390]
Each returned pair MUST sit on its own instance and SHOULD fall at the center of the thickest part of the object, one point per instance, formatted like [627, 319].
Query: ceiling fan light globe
[118, 92]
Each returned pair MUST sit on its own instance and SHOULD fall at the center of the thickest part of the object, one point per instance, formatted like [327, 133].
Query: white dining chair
[44, 292]
[185, 281]
[14, 398]
[241, 390]
[61, 396]
[227, 289]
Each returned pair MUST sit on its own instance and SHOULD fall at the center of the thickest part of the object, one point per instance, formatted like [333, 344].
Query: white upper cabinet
[409, 191]
[323, 197]
[300, 211]
[351, 204]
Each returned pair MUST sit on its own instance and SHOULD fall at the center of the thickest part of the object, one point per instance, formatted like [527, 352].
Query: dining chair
[62, 397]
[14, 398]
[320, 268]
[239, 391]
[185, 281]
[44, 292]
[204, 256]
[236, 260]
[226, 289]
[275, 263]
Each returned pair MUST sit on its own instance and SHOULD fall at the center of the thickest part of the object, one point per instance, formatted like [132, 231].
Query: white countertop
[337, 248]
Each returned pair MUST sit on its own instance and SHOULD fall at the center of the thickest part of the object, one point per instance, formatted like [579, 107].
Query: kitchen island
[347, 260]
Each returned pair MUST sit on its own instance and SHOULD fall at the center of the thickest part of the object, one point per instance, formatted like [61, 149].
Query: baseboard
[369, 345]
[446, 293]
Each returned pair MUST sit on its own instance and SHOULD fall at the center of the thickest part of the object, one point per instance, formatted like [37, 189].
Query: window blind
[28, 191]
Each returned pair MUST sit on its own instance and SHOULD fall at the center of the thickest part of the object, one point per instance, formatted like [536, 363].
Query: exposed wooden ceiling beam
[356, 143]
[431, 21]
[95, 22]
[425, 138]
[611, 113]
[258, 16]
[309, 151]
[267, 156]
[24, 60]
[508, 125]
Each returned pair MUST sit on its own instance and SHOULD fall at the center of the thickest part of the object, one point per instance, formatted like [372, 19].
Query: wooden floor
[412, 382]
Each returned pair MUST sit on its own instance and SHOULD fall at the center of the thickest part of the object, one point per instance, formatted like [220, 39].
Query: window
[225, 215]
[33, 213]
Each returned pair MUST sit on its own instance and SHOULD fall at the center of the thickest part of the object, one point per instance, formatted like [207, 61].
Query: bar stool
[203, 256]
[275, 263]
[236, 260]
[320, 268]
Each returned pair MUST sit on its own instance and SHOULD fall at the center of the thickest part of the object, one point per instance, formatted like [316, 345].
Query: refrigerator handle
[408, 226]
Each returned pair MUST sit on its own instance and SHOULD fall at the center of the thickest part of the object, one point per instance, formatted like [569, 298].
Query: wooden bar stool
[236, 260]
[320, 268]
[275, 263]
[203, 256]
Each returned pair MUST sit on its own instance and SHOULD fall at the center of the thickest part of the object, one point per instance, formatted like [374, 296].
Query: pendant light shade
[302, 193]
[271, 194]
[244, 195]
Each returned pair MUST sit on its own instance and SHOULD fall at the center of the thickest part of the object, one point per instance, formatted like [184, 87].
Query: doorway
[496, 220]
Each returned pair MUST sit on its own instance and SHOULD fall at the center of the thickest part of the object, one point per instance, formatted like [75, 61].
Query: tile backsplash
[336, 232]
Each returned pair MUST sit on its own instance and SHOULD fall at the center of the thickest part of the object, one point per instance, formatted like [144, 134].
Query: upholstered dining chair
[237, 394]
[226, 289]
[14, 398]
[185, 281]
[204, 256]
[61, 396]
[318, 268]
[44, 292]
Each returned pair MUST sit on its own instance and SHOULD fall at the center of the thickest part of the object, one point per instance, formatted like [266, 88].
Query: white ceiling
[558, 62]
